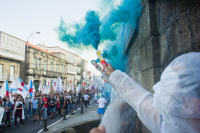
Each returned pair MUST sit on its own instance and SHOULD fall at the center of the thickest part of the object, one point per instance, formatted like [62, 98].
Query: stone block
[182, 6]
[146, 55]
[164, 49]
[147, 79]
[134, 75]
[168, 14]
[195, 26]
[144, 31]
[184, 33]
[139, 80]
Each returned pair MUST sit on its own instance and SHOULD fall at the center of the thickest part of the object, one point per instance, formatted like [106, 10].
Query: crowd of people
[42, 106]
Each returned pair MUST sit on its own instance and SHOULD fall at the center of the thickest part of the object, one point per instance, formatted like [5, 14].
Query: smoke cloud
[78, 35]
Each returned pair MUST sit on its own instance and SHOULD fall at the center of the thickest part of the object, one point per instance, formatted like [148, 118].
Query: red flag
[83, 84]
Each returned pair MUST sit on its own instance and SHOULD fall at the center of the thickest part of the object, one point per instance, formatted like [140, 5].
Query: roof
[60, 48]
[35, 47]
[12, 36]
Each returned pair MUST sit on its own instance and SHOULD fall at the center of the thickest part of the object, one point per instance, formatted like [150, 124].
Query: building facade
[12, 51]
[76, 68]
[42, 65]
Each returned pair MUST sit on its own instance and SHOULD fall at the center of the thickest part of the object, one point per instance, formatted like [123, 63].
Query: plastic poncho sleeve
[137, 97]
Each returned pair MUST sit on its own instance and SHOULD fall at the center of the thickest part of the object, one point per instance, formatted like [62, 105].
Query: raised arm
[137, 97]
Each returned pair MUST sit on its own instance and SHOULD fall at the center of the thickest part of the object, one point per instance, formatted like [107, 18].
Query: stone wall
[167, 29]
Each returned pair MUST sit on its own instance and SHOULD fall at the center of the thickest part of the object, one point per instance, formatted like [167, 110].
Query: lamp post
[30, 36]
[25, 62]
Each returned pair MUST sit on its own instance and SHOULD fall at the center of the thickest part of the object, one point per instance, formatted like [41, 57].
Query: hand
[98, 67]
[108, 69]
[100, 129]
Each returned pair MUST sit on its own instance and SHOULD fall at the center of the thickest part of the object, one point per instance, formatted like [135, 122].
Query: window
[57, 69]
[35, 62]
[8, 40]
[16, 43]
[1, 68]
[12, 72]
[1, 71]
[64, 69]
[39, 63]
[52, 66]
[61, 69]
[45, 67]
[3, 38]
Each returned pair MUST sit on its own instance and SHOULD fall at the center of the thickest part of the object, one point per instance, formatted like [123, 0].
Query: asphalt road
[31, 127]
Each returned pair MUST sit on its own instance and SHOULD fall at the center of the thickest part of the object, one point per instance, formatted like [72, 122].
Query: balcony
[55, 74]
[38, 72]
[3, 76]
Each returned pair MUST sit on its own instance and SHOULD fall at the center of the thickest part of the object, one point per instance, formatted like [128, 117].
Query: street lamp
[29, 37]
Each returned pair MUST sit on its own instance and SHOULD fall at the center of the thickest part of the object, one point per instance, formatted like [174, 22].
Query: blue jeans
[69, 105]
[52, 110]
[25, 113]
[30, 111]
[45, 113]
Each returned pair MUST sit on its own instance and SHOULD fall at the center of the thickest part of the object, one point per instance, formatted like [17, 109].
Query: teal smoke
[108, 31]
[127, 12]
[85, 35]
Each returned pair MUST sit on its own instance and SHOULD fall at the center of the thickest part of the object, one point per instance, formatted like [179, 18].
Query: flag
[83, 84]
[19, 87]
[23, 84]
[40, 87]
[45, 90]
[34, 91]
[54, 85]
[4, 89]
[59, 84]
[93, 87]
[78, 88]
[31, 89]
[47, 83]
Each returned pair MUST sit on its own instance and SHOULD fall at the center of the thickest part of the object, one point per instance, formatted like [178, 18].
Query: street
[31, 127]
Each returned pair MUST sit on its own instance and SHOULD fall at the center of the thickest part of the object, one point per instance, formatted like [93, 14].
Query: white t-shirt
[86, 97]
[102, 102]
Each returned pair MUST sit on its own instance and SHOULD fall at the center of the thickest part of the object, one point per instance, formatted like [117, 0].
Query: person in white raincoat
[19, 112]
[175, 105]
[119, 116]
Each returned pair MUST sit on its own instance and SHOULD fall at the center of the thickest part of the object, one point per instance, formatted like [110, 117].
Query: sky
[20, 18]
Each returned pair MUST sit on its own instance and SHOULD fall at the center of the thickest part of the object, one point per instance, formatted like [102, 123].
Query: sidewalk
[90, 113]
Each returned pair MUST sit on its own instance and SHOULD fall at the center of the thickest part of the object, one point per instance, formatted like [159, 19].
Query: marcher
[52, 104]
[40, 107]
[34, 108]
[8, 110]
[62, 104]
[45, 107]
[73, 100]
[69, 102]
[86, 97]
[58, 105]
[18, 112]
[102, 102]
